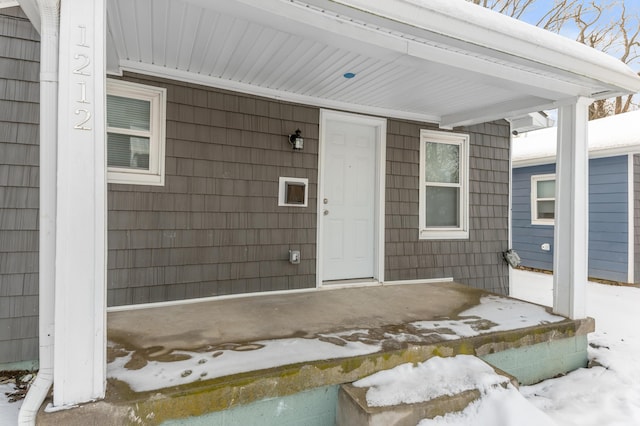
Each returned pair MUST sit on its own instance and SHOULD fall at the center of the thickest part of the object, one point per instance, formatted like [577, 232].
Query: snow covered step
[409, 393]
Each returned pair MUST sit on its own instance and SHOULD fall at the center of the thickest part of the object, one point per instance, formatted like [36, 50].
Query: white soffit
[299, 52]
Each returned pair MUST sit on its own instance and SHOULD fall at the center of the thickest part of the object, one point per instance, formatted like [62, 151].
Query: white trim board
[596, 153]
[419, 281]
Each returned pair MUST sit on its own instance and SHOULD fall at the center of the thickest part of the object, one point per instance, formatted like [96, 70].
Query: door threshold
[356, 282]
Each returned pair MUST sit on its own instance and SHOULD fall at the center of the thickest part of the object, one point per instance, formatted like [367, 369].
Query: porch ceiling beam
[497, 111]
[492, 73]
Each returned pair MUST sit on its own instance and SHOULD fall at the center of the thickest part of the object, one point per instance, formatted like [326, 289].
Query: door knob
[325, 212]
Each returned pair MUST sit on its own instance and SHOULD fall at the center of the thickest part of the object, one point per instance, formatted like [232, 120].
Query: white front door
[348, 199]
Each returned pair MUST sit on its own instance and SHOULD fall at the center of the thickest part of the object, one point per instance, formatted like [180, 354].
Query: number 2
[87, 117]
[85, 63]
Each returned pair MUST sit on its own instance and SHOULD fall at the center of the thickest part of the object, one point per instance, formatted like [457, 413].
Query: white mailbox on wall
[293, 192]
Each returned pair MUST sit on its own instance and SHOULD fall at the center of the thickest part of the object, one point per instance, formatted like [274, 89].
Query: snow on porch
[190, 359]
[147, 369]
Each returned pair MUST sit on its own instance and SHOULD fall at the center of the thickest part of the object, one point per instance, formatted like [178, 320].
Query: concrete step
[353, 409]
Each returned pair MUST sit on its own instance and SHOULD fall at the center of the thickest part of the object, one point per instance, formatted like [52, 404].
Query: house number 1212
[82, 70]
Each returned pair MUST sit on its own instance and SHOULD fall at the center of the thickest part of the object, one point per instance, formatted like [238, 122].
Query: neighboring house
[171, 170]
[614, 144]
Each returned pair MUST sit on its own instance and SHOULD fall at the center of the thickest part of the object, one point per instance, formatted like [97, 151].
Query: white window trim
[461, 232]
[535, 199]
[157, 97]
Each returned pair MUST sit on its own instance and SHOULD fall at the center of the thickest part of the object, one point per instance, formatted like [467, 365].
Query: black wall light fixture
[296, 140]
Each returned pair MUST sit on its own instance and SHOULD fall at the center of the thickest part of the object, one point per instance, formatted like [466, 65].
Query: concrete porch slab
[192, 359]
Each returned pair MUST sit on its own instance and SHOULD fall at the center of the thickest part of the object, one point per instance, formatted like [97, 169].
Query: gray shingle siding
[19, 115]
[476, 261]
[215, 227]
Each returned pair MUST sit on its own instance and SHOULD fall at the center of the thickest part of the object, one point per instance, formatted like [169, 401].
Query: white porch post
[571, 234]
[80, 345]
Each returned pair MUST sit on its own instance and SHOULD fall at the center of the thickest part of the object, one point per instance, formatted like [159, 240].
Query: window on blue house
[543, 199]
[444, 185]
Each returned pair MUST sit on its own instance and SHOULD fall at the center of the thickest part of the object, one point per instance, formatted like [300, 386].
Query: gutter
[49, 11]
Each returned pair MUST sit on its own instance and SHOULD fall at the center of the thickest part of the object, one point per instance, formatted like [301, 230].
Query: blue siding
[528, 238]
[608, 219]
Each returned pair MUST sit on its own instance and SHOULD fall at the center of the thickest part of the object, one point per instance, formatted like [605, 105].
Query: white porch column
[571, 233]
[80, 345]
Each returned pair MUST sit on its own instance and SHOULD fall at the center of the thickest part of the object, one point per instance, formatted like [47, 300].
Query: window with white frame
[135, 133]
[444, 185]
[543, 199]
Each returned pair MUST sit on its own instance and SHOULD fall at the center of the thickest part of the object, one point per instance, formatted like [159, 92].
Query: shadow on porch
[177, 361]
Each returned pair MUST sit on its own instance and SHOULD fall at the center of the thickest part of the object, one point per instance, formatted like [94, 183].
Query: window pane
[546, 189]
[442, 162]
[127, 151]
[127, 113]
[442, 207]
[546, 209]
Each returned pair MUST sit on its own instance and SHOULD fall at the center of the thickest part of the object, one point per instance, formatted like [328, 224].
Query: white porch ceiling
[299, 52]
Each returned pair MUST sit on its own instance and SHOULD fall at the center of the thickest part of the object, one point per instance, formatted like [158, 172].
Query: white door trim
[381, 143]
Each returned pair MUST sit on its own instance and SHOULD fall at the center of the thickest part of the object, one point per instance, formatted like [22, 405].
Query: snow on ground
[497, 407]
[8, 410]
[607, 395]
[500, 404]
[408, 384]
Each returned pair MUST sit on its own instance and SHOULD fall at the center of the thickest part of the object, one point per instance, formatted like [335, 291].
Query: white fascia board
[596, 153]
[205, 80]
[482, 29]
